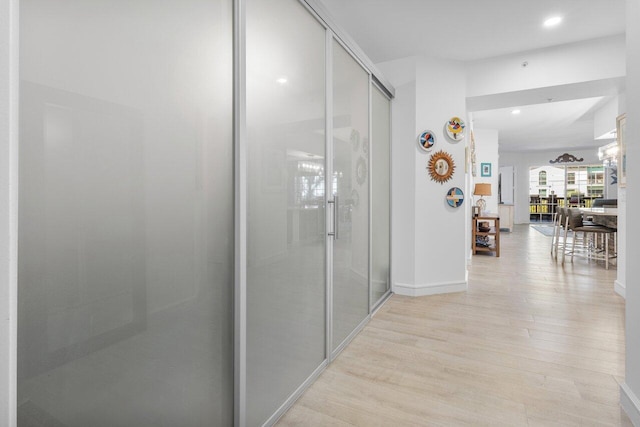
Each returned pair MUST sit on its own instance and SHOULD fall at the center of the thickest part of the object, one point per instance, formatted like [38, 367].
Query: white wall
[507, 184]
[399, 72]
[440, 229]
[403, 119]
[604, 119]
[8, 208]
[554, 66]
[621, 260]
[429, 236]
[631, 387]
[487, 152]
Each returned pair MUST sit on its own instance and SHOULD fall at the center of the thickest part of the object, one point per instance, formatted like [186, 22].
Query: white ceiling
[564, 124]
[471, 29]
[468, 30]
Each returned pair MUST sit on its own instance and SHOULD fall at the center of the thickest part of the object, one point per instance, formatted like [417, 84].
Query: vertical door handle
[336, 227]
[334, 233]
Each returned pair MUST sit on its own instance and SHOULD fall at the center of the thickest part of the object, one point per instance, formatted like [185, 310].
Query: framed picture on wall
[485, 169]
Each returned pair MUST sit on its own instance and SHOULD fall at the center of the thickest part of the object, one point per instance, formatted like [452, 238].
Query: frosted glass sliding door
[350, 184]
[286, 202]
[380, 184]
[126, 213]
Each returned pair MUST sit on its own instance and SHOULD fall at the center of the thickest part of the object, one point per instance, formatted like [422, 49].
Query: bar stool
[588, 242]
[558, 226]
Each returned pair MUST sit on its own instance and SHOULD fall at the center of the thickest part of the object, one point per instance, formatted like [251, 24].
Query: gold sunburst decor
[441, 167]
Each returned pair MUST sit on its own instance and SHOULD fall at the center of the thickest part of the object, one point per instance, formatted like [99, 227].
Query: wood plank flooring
[530, 344]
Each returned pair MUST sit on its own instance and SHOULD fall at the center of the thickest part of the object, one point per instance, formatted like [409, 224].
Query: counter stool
[588, 242]
[557, 241]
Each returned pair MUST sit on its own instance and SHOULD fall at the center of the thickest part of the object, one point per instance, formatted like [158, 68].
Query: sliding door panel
[380, 208]
[126, 213]
[350, 185]
[286, 202]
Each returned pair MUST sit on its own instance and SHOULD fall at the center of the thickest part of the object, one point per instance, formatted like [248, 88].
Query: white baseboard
[423, 289]
[620, 289]
[630, 403]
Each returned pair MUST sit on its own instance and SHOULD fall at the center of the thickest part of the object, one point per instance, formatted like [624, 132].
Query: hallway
[529, 344]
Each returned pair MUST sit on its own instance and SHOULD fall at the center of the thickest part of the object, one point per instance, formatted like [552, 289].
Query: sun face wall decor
[441, 167]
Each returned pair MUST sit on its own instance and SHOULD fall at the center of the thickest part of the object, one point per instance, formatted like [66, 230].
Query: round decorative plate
[455, 128]
[427, 140]
[441, 167]
[455, 197]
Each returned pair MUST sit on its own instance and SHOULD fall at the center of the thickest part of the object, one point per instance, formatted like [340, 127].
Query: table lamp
[482, 189]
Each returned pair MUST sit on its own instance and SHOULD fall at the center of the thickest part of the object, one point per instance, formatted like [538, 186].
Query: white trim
[240, 214]
[391, 269]
[630, 403]
[370, 301]
[620, 288]
[328, 193]
[423, 289]
[9, 98]
[295, 395]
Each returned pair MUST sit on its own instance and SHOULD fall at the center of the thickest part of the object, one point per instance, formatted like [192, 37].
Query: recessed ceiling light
[553, 21]
[282, 80]
[515, 112]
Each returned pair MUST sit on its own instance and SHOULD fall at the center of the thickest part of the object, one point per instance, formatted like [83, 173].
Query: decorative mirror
[441, 167]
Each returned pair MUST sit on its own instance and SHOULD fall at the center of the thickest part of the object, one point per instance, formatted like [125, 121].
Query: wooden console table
[492, 236]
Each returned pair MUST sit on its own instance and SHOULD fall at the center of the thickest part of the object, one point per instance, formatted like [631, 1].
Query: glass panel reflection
[351, 185]
[380, 152]
[126, 218]
[286, 198]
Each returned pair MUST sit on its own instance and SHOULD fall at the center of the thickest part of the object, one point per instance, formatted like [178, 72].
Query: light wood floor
[530, 344]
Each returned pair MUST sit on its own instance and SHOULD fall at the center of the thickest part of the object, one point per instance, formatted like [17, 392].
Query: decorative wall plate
[455, 128]
[427, 140]
[441, 167]
[361, 170]
[455, 197]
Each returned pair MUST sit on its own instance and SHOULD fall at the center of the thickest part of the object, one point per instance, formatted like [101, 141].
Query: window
[543, 193]
[595, 191]
[542, 178]
[571, 178]
[595, 177]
